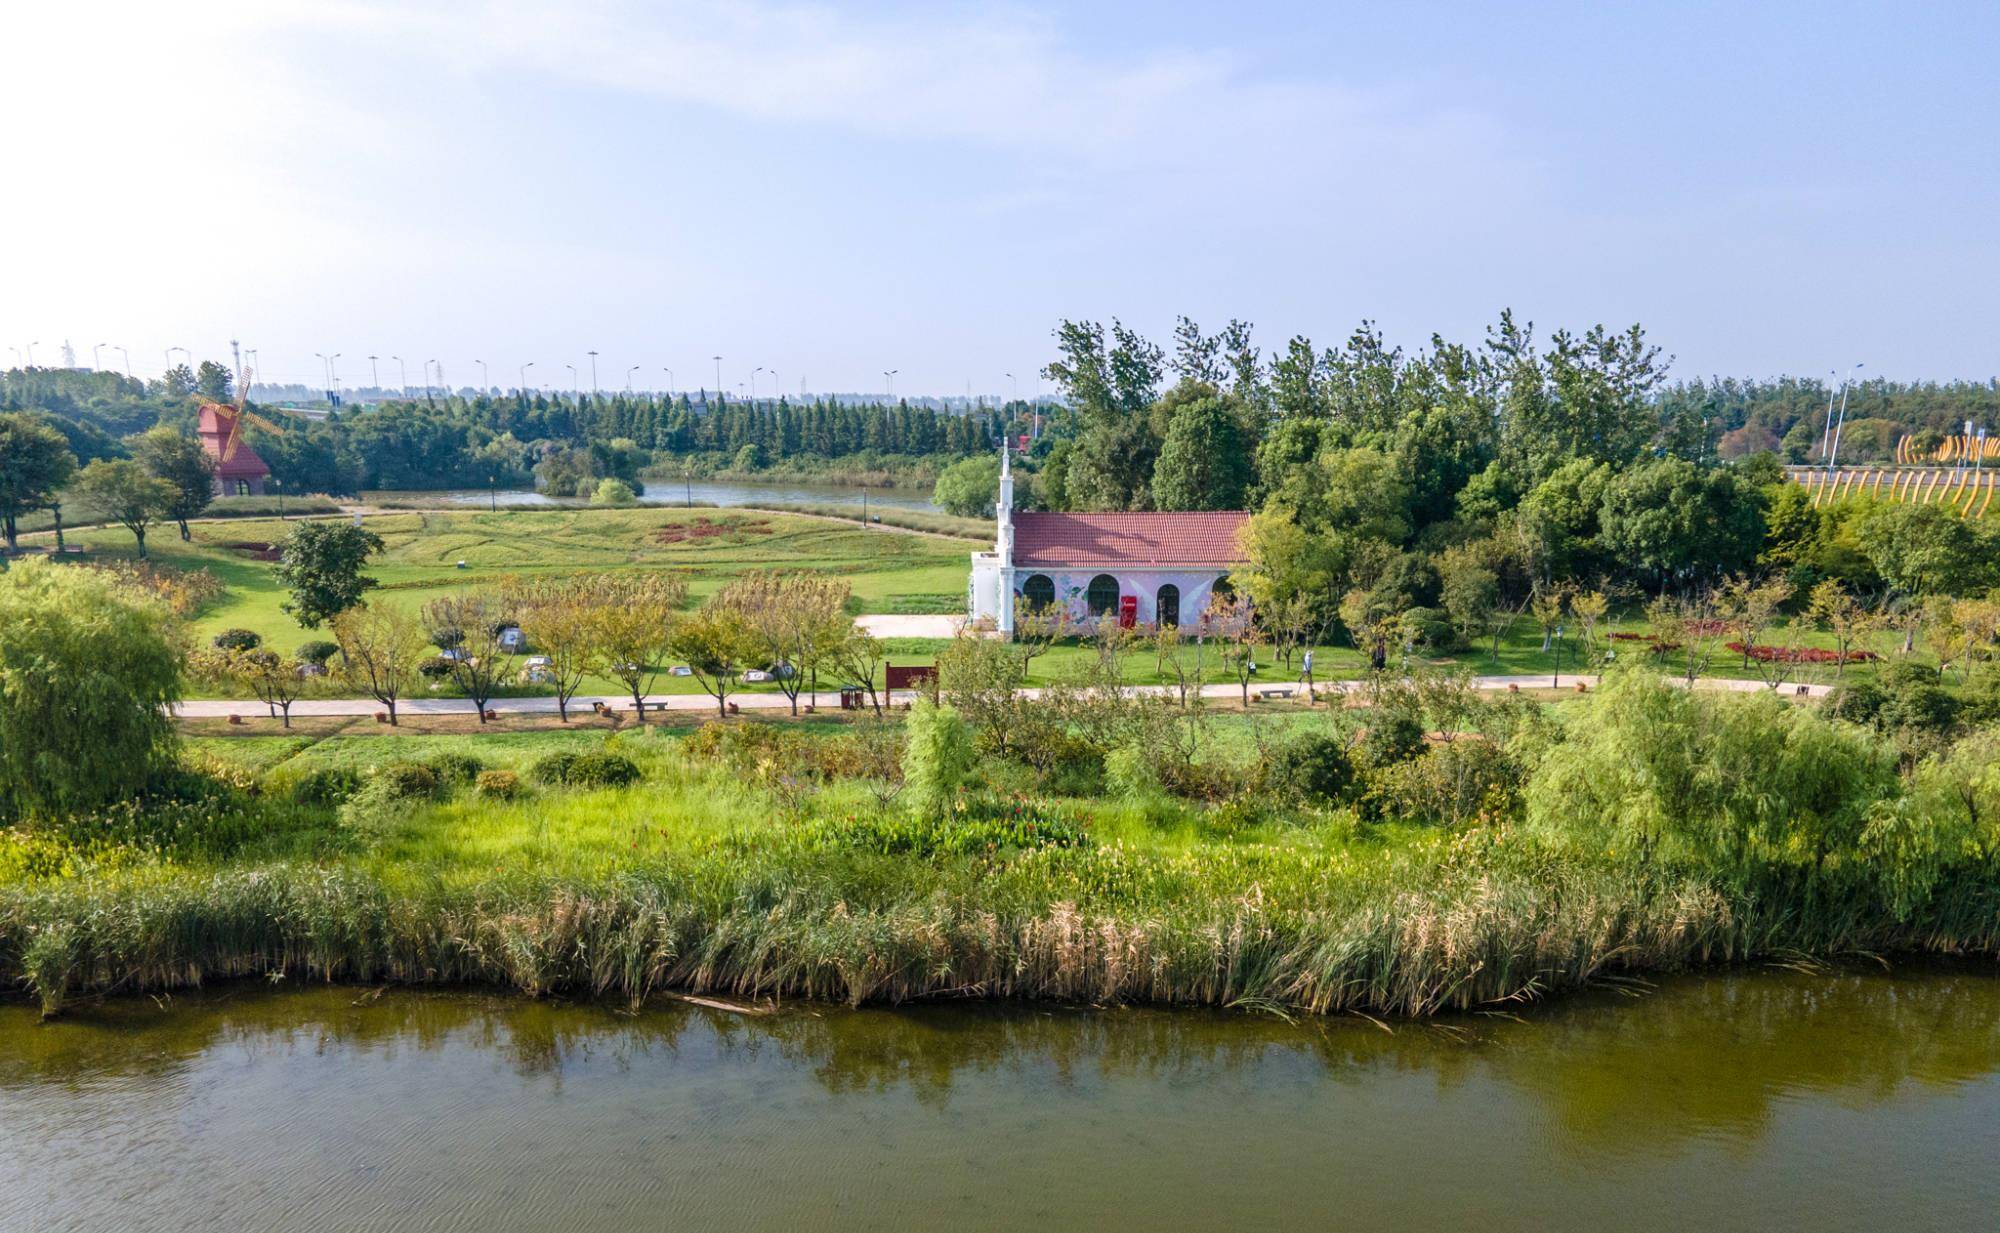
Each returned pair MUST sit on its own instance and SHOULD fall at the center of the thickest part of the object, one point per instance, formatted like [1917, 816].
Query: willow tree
[88, 670]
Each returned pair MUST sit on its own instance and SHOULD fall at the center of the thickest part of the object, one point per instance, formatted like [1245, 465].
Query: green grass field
[432, 552]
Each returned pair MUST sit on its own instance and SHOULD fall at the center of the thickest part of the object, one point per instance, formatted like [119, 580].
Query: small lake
[699, 492]
[1758, 1101]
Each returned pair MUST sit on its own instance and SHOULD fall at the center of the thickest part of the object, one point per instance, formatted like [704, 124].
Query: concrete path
[887, 626]
[769, 702]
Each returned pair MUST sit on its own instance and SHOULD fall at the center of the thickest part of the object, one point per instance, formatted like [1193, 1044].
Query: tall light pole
[576, 391]
[1832, 388]
[325, 374]
[670, 381]
[753, 381]
[889, 378]
[1014, 386]
[524, 377]
[31, 353]
[170, 354]
[128, 361]
[333, 367]
[718, 376]
[441, 385]
[95, 364]
[483, 384]
[628, 377]
[777, 391]
[1834, 454]
[374, 374]
[593, 373]
[403, 372]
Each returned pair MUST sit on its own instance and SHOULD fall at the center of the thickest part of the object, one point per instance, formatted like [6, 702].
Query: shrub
[499, 785]
[1857, 702]
[325, 786]
[407, 781]
[1448, 784]
[1129, 775]
[238, 640]
[436, 668]
[612, 491]
[1431, 628]
[318, 651]
[598, 768]
[1393, 736]
[454, 769]
[935, 760]
[87, 671]
[553, 769]
[1314, 770]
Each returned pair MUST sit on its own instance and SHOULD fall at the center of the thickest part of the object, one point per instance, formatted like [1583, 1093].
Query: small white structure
[511, 638]
[1138, 569]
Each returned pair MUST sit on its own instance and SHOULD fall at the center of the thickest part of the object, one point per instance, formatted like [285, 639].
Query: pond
[1765, 1100]
[699, 492]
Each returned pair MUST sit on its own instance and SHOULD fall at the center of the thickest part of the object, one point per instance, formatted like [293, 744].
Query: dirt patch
[705, 528]
[255, 551]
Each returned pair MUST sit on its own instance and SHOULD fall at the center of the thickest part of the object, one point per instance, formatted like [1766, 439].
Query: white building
[1136, 568]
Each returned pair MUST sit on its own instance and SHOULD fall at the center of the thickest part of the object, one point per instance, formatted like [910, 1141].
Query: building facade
[239, 472]
[1137, 568]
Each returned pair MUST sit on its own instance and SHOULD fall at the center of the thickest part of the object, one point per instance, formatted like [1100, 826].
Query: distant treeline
[1788, 414]
[455, 441]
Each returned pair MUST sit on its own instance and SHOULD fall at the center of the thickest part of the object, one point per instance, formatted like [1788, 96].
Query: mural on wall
[1184, 593]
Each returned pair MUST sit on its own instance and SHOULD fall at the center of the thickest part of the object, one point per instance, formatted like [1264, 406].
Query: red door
[1128, 611]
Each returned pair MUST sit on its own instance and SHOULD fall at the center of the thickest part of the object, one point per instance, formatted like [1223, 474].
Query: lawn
[427, 553]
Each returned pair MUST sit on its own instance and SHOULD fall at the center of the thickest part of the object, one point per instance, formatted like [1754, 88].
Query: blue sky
[832, 190]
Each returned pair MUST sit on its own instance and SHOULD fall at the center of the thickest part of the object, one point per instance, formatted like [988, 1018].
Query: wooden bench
[1276, 693]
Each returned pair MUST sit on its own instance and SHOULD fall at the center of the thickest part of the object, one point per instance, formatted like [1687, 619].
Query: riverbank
[767, 861]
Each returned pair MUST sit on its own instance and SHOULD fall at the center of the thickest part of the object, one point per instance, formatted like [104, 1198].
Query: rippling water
[1776, 1101]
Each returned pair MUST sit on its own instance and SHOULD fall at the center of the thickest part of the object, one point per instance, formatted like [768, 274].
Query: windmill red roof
[1204, 540]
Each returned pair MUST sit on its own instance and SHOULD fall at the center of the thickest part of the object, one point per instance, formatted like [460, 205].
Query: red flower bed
[1801, 655]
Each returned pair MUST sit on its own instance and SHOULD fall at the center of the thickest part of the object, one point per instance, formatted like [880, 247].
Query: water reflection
[697, 492]
[1840, 1099]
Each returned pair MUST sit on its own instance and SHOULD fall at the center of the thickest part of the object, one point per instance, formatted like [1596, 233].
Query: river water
[1758, 1101]
[699, 492]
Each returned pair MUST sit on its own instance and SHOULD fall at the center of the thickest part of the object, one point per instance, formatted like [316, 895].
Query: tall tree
[35, 463]
[178, 459]
[1204, 461]
[212, 381]
[320, 563]
[122, 492]
[380, 648]
[629, 619]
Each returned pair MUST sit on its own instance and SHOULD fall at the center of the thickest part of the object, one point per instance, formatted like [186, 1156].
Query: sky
[828, 192]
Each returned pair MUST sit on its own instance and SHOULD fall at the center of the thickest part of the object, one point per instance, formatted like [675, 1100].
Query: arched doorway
[1102, 595]
[1039, 591]
[1167, 606]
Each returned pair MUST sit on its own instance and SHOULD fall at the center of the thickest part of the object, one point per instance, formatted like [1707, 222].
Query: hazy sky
[831, 190]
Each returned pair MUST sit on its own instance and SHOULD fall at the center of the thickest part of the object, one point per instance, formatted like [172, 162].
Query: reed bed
[1416, 935]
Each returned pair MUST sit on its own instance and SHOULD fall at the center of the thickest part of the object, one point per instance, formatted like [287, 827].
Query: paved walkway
[887, 626]
[223, 708]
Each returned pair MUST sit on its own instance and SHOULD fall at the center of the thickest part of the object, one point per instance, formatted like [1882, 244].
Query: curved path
[222, 708]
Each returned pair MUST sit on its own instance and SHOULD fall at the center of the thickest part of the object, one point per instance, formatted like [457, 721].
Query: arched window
[1102, 596]
[1167, 606]
[1039, 591]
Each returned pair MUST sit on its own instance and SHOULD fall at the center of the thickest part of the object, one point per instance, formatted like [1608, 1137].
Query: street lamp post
[1834, 454]
[718, 376]
[127, 355]
[374, 374]
[31, 353]
[484, 381]
[628, 377]
[524, 377]
[170, 354]
[753, 381]
[95, 363]
[670, 381]
[325, 374]
[402, 374]
[889, 381]
[777, 391]
[593, 373]
[575, 390]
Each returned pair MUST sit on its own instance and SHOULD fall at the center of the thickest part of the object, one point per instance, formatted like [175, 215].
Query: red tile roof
[1155, 541]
